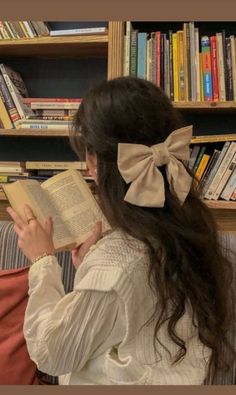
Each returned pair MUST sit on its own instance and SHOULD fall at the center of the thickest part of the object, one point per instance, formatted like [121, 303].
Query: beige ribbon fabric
[138, 165]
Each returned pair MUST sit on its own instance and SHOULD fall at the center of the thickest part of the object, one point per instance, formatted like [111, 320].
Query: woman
[151, 299]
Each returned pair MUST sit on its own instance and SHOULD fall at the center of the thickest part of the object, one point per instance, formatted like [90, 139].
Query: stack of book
[18, 110]
[49, 113]
[187, 66]
[23, 29]
[38, 170]
[215, 170]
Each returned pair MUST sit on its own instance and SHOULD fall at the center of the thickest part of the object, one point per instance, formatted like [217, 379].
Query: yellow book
[22, 26]
[175, 67]
[186, 76]
[3, 178]
[202, 166]
[6, 120]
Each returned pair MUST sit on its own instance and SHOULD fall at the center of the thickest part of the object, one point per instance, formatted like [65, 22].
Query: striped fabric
[11, 257]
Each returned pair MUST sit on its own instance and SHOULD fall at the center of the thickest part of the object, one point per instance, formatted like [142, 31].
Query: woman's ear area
[91, 160]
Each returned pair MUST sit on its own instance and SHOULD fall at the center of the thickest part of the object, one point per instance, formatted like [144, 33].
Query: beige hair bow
[138, 164]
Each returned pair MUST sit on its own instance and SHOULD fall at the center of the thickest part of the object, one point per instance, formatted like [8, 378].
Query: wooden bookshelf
[34, 133]
[72, 46]
[213, 138]
[223, 106]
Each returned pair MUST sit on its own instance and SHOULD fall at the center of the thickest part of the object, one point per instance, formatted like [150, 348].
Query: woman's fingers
[16, 217]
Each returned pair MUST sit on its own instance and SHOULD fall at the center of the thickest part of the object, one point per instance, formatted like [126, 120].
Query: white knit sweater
[98, 334]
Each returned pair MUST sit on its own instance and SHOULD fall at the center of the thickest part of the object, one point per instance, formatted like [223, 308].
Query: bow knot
[138, 165]
[160, 154]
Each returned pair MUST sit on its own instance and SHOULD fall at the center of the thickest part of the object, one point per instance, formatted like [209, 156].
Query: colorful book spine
[214, 67]
[186, 63]
[192, 61]
[208, 170]
[10, 105]
[206, 68]
[4, 116]
[197, 65]
[193, 156]
[127, 49]
[133, 53]
[181, 76]
[202, 166]
[220, 63]
[171, 65]
[142, 55]
[158, 58]
[230, 92]
[198, 160]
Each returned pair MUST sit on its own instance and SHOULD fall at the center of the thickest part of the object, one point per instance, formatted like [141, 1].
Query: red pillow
[16, 366]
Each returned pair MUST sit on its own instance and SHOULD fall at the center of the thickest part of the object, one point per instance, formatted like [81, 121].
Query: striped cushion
[11, 257]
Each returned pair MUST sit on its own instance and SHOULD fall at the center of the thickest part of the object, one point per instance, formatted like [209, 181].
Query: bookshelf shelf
[213, 138]
[223, 106]
[34, 133]
[220, 205]
[73, 46]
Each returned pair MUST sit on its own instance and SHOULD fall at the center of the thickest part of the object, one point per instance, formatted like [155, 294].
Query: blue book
[142, 55]
[206, 68]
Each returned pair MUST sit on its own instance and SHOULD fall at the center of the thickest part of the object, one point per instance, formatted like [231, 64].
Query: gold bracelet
[41, 256]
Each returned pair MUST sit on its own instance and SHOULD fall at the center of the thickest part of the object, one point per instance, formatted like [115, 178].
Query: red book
[214, 68]
[158, 58]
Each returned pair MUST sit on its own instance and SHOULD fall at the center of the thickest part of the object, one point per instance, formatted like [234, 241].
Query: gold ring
[31, 218]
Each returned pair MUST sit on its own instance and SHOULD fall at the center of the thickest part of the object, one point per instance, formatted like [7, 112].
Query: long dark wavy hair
[190, 265]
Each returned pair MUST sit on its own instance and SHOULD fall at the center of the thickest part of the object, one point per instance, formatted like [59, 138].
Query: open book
[67, 198]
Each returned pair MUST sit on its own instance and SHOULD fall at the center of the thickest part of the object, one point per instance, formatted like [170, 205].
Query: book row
[19, 111]
[188, 66]
[30, 29]
[215, 170]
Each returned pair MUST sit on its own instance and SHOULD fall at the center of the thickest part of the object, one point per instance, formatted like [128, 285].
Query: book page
[30, 192]
[74, 201]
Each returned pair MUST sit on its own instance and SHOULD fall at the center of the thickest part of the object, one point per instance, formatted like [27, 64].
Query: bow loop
[138, 165]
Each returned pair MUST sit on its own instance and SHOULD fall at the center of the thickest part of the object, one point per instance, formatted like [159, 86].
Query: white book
[127, 49]
[42, 126]
[28, 29]
[214, 170]
[22, 108]
[220, 63]
[54, 105]
[233, 197]
[230, 187]
[221, 170]
[225, 178]
[75, 32]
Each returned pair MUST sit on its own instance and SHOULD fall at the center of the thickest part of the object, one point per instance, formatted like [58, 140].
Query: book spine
[133, 53]
[193, 156]
[229, 69]
[214, 68]
[56, 106]
[4, 116]
[12, 91]
[45, 100]
[8, 101]
[192, 60]
[202, 166]
[222, 168]
[153, 58]
[208, 171]
[180, 46]
[41, 126]
[214, 170]
[225, 177]
[167, 68]
[71, 32]
[220, 62]
[233, 55]
[197, 66]
[185, 49]
[158, 58]
[206, 68]
[226, 75]
[142, 53]
[9, 30]
[127, 49]
[163, 44]
[22, 26]
[198, 160]
[175, 68]
[230, 187]
[27, 28]
[171, 65]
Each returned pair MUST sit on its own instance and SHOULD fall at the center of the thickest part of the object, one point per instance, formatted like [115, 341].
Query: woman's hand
[80, 251]
[33, 239]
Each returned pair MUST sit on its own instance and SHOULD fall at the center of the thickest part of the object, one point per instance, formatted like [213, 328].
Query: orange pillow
[16, 366]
